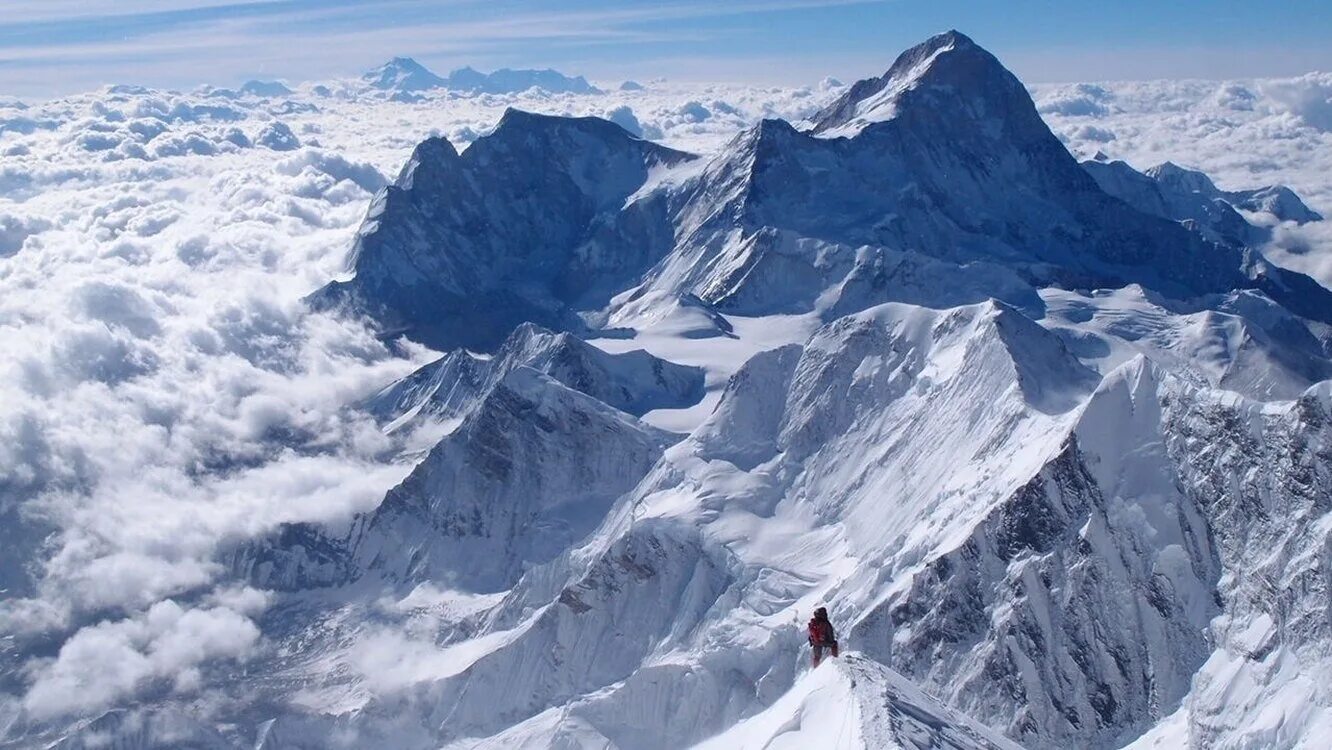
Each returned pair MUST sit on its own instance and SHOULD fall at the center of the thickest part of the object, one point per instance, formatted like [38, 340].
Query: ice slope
[854, 703]
[633, 381]
[463, 248]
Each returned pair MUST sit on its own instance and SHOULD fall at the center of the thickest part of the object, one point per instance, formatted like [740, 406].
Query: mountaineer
[821, 635]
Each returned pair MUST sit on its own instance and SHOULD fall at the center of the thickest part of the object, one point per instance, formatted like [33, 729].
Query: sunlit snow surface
[165, 398]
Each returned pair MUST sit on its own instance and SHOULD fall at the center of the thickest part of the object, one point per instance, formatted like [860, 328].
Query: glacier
[1049, 438]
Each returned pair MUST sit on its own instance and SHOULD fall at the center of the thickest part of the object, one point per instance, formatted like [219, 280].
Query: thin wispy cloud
[66, 46]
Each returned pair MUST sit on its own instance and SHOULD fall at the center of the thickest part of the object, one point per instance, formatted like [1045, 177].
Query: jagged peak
[433, 150]
[948, 59]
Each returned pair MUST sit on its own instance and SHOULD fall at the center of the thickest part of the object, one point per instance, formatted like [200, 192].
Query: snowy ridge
[854, 703]
[633, 381]
[532, 471]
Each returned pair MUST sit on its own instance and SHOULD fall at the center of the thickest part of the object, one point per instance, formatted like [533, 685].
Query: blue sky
[58, 46]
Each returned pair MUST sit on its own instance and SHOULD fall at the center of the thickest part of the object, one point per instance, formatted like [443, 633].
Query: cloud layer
[1243, 133]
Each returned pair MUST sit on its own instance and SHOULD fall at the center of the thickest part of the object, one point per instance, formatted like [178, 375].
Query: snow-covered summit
[950, 59]
[403, 74]
[265, 88]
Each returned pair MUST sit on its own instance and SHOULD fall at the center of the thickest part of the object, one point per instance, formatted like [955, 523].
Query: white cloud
[1244, 134]
[105, 663]
[1309, 96]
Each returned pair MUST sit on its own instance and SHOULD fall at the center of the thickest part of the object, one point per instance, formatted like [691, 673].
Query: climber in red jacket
[821, 635]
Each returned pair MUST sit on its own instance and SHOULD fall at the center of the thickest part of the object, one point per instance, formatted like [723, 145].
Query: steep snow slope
[854, 703]
[532, 469]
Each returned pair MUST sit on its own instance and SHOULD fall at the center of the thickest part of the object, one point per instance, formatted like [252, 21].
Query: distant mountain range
[405, 75]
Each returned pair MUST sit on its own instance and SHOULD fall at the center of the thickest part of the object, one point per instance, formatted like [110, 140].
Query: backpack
[818, 632]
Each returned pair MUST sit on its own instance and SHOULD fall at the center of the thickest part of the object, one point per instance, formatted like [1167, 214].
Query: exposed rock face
[461, 249]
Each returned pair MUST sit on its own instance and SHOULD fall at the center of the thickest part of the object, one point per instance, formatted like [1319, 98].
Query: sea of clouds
[165, 396]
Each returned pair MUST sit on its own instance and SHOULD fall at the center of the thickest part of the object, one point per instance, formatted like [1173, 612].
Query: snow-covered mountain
[508, 81]
[448, 388]
[940, 169]
[1172, 192]
[1051, 441]
[403, 75]
[463, 248]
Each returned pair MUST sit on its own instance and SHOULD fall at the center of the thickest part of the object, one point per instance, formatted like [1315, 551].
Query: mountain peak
[950, 61]
[1188, 180]
[402, 74]
[951, 38]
